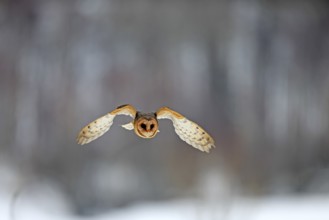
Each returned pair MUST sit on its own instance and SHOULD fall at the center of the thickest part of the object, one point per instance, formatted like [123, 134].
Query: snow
[44, 200]
[46, 205]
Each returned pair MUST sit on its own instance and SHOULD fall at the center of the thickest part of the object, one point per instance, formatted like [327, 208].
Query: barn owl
[146, 125]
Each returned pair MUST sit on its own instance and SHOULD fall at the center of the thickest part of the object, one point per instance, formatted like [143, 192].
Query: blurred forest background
[255, 74]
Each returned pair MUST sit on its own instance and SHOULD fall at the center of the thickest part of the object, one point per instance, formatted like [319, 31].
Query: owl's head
[146, 125]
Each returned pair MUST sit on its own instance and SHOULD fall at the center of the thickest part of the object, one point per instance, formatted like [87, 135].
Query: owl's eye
[152, 126]
[143, 126]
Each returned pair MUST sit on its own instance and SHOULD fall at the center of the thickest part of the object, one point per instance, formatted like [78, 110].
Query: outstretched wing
[187, 130]
[101, 125]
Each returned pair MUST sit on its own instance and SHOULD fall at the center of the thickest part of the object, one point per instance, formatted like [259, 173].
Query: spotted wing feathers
[101, 125]
[95, 129]
[187, 130]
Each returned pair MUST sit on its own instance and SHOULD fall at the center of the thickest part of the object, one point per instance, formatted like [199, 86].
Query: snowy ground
[45, 201]
[49, 206]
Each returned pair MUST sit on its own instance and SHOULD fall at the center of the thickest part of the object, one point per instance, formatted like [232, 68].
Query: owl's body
[146, 125]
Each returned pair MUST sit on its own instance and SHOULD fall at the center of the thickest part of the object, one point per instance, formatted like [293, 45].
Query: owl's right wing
[101, 125]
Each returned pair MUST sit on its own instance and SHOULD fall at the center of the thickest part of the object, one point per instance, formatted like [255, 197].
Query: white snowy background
[45, 201]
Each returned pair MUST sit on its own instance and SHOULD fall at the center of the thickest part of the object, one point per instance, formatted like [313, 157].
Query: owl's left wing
[187, 130]
[98, 127]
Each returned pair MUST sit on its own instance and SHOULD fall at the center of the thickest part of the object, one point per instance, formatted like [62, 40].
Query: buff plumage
[146, 125]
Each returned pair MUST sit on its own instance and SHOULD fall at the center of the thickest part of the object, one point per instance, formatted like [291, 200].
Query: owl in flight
[146, 125]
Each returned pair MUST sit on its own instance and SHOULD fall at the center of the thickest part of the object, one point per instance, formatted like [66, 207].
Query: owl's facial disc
[146, 127]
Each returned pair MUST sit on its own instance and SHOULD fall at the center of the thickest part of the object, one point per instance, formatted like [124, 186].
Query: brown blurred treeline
[255, 74]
